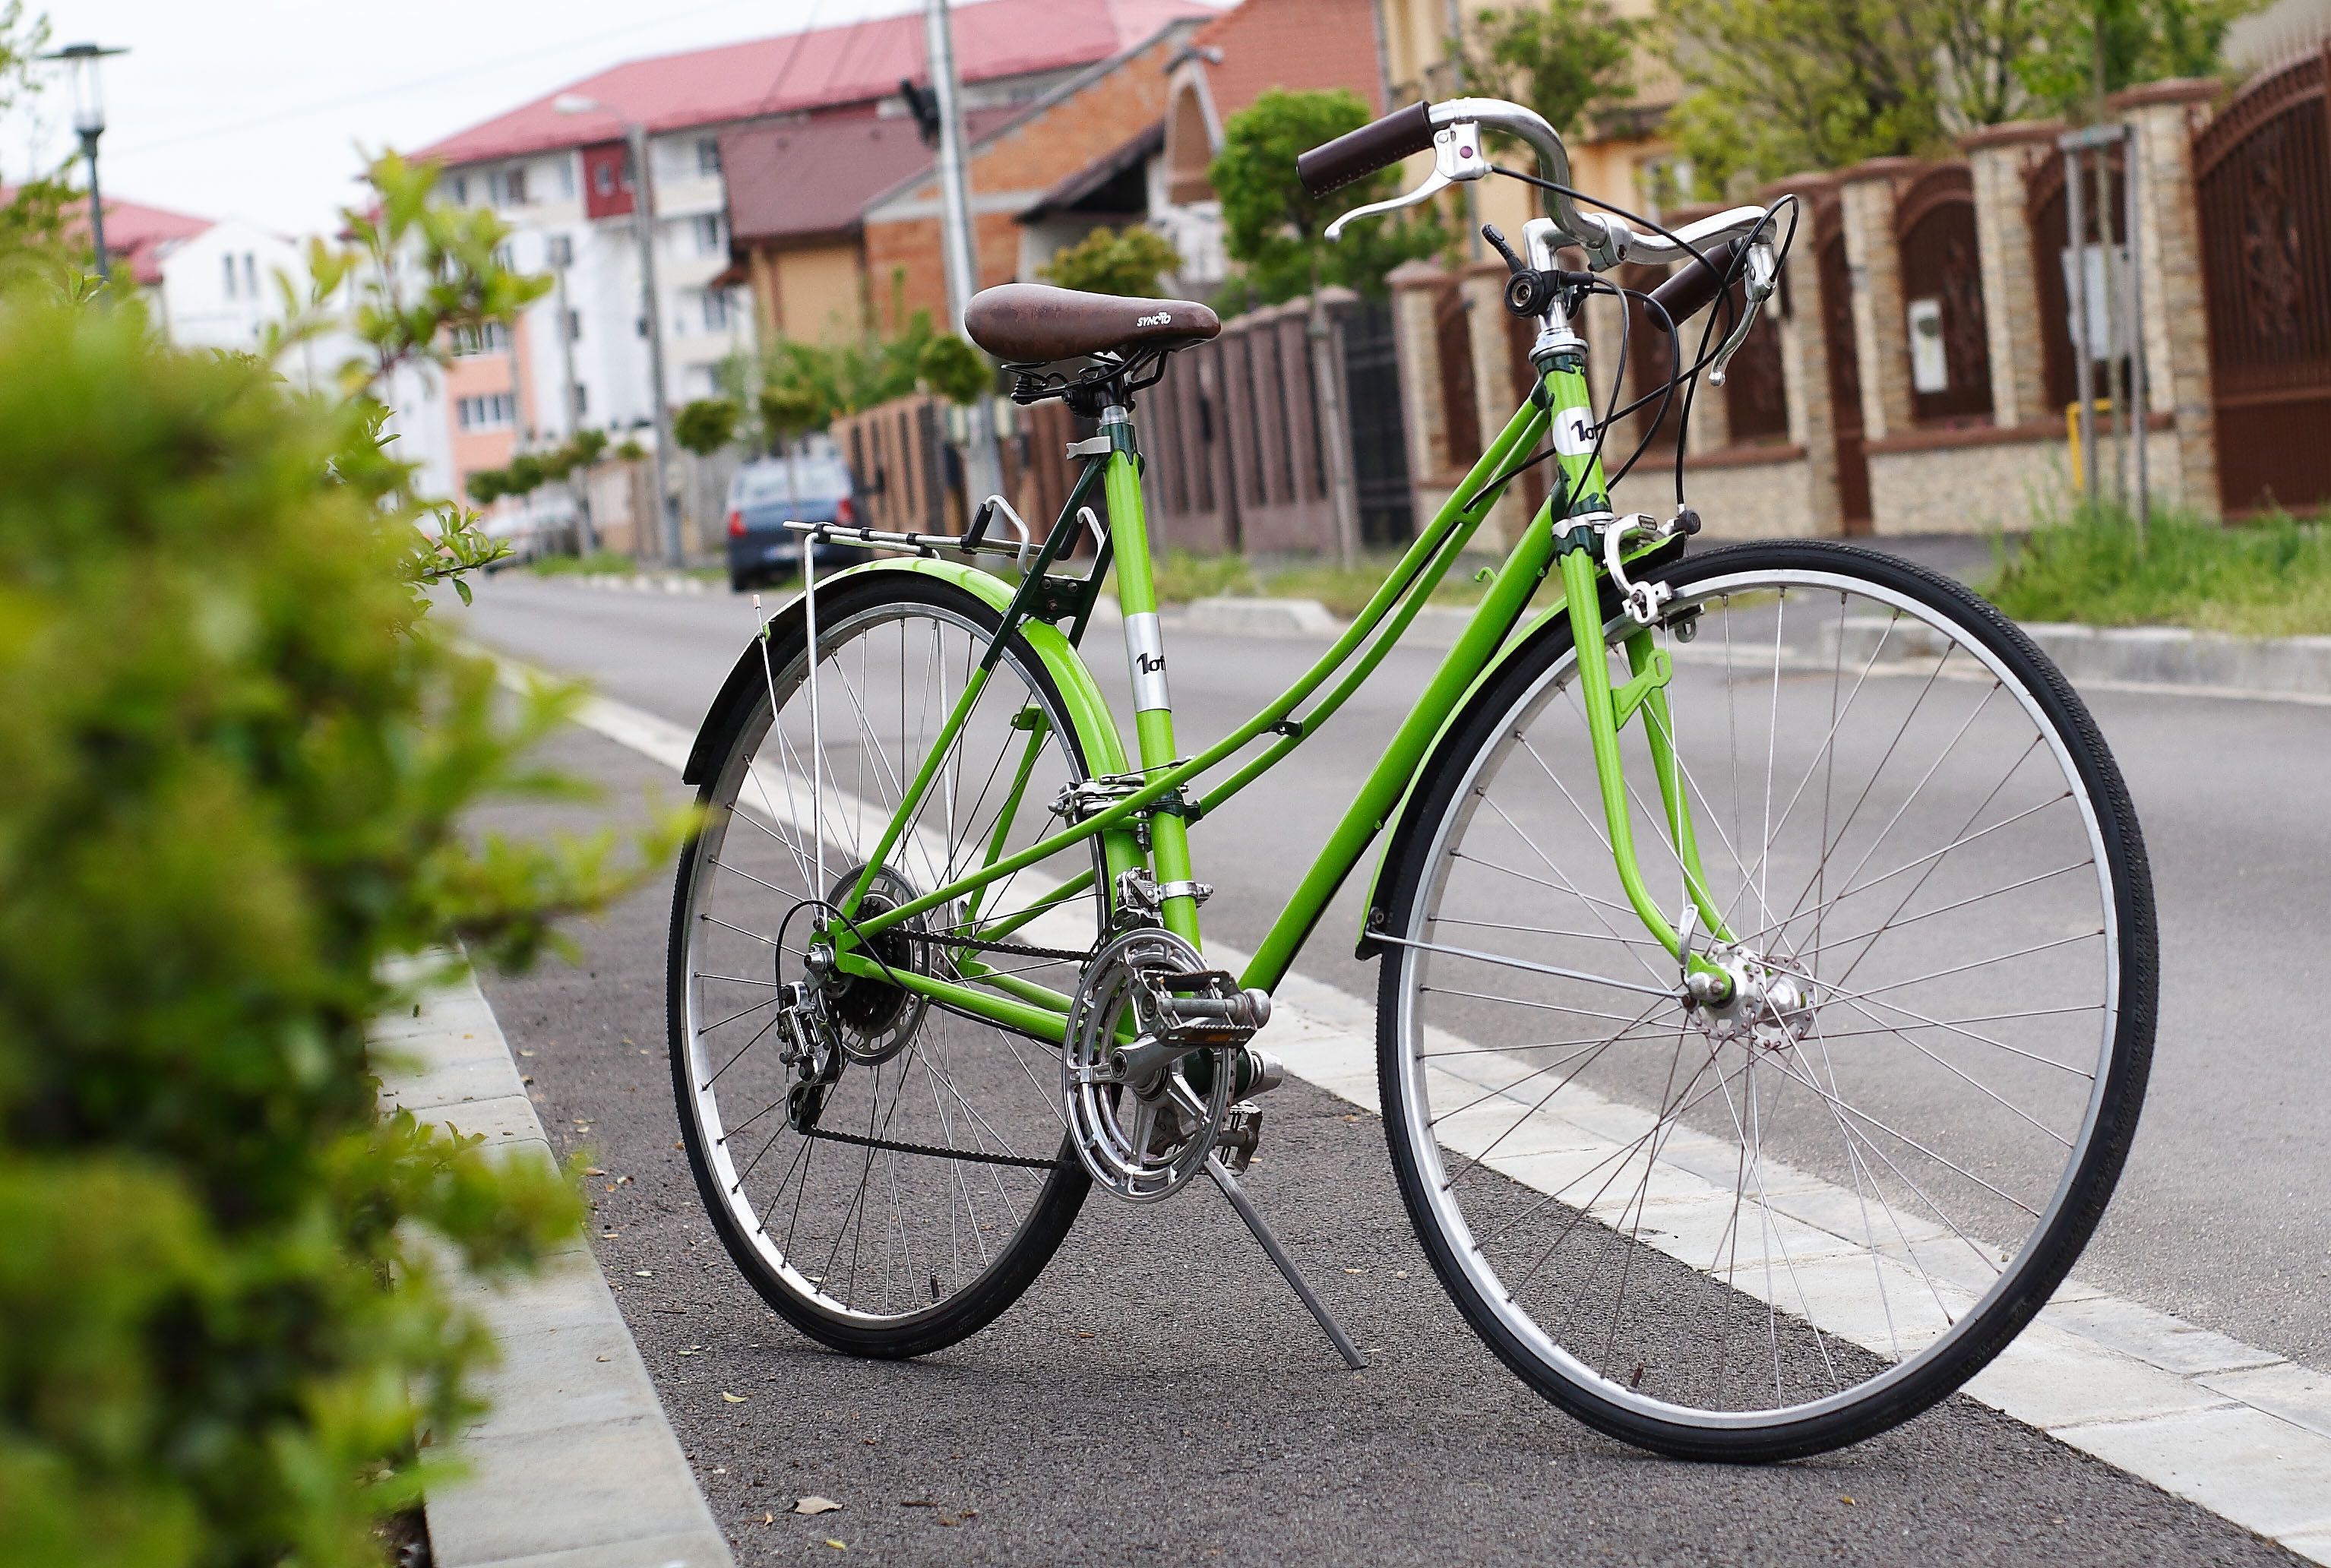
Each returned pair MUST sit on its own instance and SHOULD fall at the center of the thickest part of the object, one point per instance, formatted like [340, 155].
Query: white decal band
[1145, 655]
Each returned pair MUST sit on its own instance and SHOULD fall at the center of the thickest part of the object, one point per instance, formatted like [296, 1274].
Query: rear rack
[973, 542]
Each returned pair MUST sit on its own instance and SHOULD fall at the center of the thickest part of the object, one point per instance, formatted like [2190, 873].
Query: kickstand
[1278, 1254]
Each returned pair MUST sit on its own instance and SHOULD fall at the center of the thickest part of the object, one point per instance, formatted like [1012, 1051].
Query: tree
[1569, 63]
[705, 425]
[806, 386]
[2101, 46]
[1278, 230]
[1132, 261]
[1275, 228]
[1778, 86]
[952, 369]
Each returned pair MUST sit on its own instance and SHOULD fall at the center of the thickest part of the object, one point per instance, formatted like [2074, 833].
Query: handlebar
[1358, 153]
[1451, 130]
[1688, 292]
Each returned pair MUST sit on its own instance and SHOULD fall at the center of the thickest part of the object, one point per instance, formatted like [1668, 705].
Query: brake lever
[1456, 159]
[1762, 271]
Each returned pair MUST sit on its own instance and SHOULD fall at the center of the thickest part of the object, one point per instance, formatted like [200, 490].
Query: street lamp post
[643, 231]
[81, 63]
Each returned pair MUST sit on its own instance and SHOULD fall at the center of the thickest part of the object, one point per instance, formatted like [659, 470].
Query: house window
[574, 327]
[603, 179]
[461, 190]
[719, 310]
[250, 276]
[566, 179]
[707, 154]
[231, 290]
[488, 411]
[582, 400]
[709, 241]
[486, 338]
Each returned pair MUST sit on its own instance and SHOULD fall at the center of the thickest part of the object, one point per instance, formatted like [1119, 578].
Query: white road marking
[2240, 1431]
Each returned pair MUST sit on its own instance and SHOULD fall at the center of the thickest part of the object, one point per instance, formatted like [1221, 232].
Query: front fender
[1104, 748]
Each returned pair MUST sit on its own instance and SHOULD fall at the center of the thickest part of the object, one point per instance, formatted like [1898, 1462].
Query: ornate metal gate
[1379, 449]
[2262, 176]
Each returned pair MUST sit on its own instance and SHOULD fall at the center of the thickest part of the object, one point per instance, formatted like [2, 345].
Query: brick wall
[1006, 172]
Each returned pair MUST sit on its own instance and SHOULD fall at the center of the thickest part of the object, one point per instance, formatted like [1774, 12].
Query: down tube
[1500, 609]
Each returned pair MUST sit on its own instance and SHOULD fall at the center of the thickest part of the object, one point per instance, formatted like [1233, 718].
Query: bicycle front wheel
[1781, 1223]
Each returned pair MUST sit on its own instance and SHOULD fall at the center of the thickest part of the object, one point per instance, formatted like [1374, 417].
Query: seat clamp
[1092, 446]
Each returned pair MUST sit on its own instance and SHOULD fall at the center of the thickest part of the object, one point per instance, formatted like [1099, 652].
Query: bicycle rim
[1818, 1212]
[929, 1186]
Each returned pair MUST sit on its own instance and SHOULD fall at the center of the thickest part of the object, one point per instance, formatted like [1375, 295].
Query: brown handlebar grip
[1687, 292]
[1358, 153]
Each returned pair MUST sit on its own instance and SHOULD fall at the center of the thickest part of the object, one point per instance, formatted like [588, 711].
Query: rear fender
[1088, 711]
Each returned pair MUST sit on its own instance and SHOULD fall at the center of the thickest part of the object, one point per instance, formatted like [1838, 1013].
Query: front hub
[1770, 1003]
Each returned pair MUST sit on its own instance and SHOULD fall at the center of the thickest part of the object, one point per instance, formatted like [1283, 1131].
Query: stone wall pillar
[1869, 192]
[2166, 115]
[1483, 284]
[1804, 354]
[1999, 158]
[1415, 286]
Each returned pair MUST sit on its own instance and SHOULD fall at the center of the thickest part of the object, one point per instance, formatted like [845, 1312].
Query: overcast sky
[255, 108]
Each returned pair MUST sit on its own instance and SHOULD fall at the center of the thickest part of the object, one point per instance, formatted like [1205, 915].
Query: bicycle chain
[1017, 949]
[934, 1150]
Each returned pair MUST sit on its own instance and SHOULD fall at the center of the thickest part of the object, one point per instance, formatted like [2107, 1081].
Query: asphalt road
[1204, 1420]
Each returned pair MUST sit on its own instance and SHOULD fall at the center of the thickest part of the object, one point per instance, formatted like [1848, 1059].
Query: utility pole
[983, 472]
[578, 485]
[635, 135]
[643, 225]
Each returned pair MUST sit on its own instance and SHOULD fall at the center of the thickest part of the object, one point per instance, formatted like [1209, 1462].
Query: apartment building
[560, 175]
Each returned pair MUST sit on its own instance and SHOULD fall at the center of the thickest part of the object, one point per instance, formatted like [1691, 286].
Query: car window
[784, 479]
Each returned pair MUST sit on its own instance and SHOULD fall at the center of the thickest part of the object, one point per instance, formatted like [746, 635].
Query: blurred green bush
[235, 769]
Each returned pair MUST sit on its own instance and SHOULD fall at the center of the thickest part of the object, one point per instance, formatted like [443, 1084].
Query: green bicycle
[1768, 958]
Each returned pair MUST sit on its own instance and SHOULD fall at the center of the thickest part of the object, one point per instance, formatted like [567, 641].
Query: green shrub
[237, 766]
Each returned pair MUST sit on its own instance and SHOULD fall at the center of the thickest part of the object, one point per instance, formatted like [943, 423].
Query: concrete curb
[2166, 659]
[574, 1466]
[2296, 668]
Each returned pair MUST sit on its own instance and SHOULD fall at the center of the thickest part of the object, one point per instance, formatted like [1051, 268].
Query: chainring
[1141, 1142]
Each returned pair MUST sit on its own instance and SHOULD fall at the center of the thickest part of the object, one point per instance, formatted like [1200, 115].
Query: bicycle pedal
[1235, 1140]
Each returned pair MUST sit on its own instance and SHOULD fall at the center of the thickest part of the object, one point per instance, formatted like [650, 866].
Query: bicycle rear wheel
[915, 1184]
[1780, 1224]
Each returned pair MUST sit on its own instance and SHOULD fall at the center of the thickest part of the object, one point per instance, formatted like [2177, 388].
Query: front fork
[1608, 707]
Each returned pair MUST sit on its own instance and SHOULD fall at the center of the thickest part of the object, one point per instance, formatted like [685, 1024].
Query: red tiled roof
[829, 67]
[136, 235]
[789, 181]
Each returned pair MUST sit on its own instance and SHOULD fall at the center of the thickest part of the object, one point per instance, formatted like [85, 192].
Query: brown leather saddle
[1030, 324]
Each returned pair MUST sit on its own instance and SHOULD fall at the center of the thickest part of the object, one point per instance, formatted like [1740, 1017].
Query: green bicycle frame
[1156, 806]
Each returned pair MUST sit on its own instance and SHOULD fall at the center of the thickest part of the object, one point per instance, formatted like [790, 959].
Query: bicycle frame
[1160, 803]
